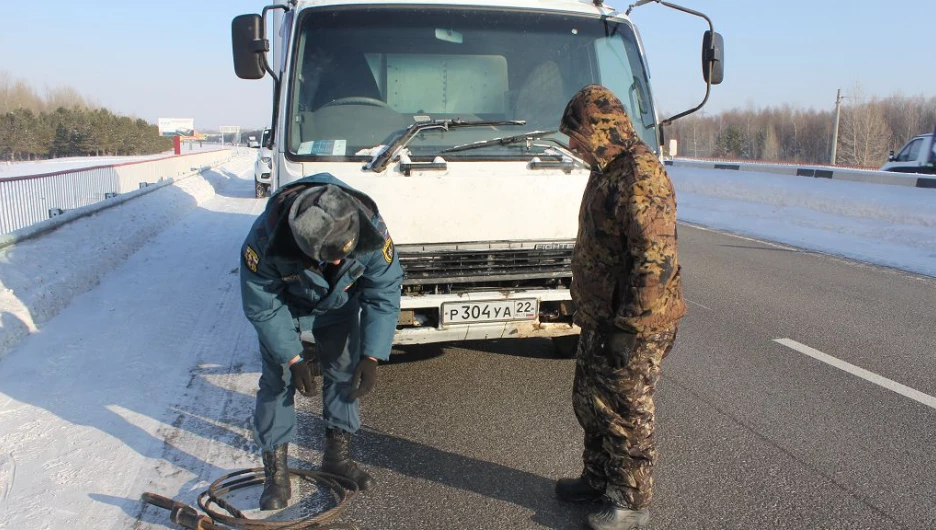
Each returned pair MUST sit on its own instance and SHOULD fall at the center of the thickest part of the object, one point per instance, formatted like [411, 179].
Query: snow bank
[38, 167]
[887, 225]
[39, 277]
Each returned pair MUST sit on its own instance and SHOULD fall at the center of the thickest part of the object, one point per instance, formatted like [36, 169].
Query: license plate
[489, 311]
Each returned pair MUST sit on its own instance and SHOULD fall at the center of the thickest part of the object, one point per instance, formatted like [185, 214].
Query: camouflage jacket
[625, 268]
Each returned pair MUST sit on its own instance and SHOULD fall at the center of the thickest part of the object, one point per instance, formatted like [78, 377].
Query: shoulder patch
[251, 259]
[385, 233]
[388, 249]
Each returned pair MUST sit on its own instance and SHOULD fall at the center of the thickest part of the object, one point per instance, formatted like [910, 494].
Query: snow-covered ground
[129, 366]
[39, 167]
[98, 406]
[887, 225]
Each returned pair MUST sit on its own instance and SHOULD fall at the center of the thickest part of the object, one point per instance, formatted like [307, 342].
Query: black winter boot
[337, 459]
[616, 517]
[276, 490]
[577, 490]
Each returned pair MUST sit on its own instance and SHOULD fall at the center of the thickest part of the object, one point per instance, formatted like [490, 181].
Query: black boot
[577, 490]
[337, 459]
[616, 517]
[276, 490]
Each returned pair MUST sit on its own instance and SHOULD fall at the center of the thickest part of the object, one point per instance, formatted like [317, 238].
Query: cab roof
[568, 6]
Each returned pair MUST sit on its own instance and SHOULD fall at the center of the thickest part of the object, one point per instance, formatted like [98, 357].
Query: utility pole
[835, 128]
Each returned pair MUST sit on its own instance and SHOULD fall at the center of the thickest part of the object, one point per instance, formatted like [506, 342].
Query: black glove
[618, 347]
[310, 356]
[365, 377]
[302, 378]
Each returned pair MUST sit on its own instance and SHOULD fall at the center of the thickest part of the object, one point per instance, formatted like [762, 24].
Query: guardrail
[28, 200]
[827, 172]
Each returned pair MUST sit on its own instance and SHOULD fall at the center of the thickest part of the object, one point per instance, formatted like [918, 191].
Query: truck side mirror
[248, 46]
[713, 55]
[890, 155]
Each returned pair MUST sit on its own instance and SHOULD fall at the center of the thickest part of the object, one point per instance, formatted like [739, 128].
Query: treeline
[63, 123]
[868, 129]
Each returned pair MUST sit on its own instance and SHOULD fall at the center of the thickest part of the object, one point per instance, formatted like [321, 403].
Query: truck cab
[446, 114]
[917, 156]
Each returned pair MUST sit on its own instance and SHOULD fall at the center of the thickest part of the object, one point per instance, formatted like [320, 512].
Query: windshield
[363, 74]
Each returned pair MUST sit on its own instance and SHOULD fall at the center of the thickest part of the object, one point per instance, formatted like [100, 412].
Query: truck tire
[565, 346]
[261, 190]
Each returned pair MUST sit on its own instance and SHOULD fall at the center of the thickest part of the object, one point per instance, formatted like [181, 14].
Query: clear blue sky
[172, 58]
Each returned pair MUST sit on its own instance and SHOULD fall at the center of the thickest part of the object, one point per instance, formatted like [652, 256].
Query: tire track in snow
[206, 431]
[7, 477]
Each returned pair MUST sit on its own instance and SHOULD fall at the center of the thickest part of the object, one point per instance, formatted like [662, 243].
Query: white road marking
[700, 305]
[744, 237]
[894, 386]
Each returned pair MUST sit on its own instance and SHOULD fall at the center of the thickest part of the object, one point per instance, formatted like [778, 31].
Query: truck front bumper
[420, 320]
[500, 330]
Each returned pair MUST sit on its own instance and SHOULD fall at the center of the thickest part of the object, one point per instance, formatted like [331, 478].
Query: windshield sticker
[323, 148]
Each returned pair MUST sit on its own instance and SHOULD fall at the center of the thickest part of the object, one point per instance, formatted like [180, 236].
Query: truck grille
[491, 262]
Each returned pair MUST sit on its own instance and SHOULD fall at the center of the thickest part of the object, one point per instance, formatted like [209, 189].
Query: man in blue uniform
[319, 258]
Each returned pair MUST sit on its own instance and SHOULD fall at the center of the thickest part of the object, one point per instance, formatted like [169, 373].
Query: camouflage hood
[597, 119]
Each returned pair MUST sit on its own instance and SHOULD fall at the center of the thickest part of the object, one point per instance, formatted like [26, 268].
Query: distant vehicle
[917, 156]
[252, 141]
[263, 167]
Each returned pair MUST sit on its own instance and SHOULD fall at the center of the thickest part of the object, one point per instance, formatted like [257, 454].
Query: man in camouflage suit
[628, 300]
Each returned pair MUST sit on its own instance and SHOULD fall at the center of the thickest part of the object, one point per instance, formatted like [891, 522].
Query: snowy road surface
[86, 426]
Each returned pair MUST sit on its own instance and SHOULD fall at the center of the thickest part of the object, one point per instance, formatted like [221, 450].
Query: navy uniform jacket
[277, 287]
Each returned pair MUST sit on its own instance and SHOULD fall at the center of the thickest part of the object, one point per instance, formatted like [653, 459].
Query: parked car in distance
[263, 167]
[917, 156]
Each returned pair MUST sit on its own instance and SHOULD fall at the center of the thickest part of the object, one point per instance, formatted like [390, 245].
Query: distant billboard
[176, 127]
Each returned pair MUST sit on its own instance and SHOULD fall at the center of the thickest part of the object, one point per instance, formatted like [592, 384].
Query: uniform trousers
[337, 339]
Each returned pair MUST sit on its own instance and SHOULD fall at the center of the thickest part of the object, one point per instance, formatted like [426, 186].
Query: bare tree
[908, 117]
[65, 97]
[864, 137]
[904, 117]
[771, 147]
[791, 134]
[17, 94]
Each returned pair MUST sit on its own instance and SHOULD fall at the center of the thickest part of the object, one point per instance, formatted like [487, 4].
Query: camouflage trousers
[613, 401]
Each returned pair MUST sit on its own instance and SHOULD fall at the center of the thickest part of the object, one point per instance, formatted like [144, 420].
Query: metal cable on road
[213, 502]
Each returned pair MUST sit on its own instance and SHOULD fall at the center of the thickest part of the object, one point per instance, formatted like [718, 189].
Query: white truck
[446, 114]
[917, 156]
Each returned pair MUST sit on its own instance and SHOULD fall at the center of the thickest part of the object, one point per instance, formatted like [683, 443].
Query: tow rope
[222, 515]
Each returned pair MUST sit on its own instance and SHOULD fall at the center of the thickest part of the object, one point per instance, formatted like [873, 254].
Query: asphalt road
[753, 433]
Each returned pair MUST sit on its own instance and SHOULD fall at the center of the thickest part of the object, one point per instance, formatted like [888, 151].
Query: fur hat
[325, 222]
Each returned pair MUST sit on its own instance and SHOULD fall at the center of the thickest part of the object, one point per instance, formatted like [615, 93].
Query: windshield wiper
[563, 152]
[527, 137]
[403, 137]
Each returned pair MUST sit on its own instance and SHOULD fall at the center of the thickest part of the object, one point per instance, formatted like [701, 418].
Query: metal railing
[27, 200]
